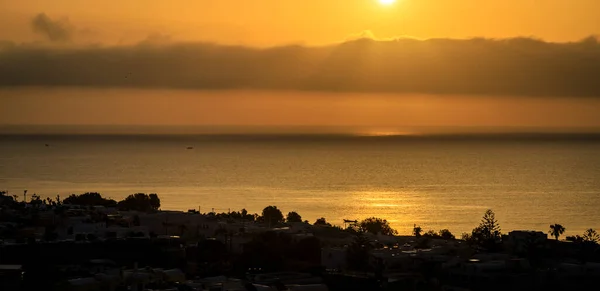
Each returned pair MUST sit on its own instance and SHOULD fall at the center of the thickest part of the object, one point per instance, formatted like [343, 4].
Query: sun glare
[386, 2]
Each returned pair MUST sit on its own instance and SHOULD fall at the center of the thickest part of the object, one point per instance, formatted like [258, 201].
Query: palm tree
[556, 230]
[591, 235]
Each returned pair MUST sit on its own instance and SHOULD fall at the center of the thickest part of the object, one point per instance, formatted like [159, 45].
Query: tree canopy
[442, 234]
[417, 230]
[322, 221]
[140, 202]
[376, 225]
[488, 233]
[89, 199]
[293, 217]
[446, 234]
[556, 230]
[272, 215]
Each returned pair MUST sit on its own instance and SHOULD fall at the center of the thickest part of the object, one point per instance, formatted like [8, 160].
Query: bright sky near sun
[273, 22]
[387, 2]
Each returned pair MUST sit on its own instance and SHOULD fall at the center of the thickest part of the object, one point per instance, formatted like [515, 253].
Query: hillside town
[88, 242]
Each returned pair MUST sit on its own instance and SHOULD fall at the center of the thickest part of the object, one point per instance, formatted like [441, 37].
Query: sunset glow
[387, 2]
[263, 62]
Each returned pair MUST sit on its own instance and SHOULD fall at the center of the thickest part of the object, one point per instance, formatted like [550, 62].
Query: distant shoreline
[293, 130]
[242, 137]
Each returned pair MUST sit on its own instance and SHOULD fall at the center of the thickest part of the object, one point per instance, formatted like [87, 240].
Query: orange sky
[130, 78]
[273, 22]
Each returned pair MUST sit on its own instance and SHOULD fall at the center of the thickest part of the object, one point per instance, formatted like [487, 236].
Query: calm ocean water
[434, 183]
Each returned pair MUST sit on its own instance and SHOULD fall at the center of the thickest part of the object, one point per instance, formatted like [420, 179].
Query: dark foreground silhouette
[44, 247]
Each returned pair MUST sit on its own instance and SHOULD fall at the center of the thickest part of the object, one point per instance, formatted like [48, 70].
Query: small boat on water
[190, 148]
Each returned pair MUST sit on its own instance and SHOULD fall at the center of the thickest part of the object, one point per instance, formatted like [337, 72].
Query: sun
[386, 2]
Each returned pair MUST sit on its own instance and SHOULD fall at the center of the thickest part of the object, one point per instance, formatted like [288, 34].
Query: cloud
[517, 66]
[155, 39]
[54, 30]
[369, 35]
[365, 34]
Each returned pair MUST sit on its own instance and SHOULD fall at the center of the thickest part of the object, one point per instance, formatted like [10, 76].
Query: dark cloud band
[53, 30]
[519, 66]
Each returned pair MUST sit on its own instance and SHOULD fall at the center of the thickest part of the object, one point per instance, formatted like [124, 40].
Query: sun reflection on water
[397, 207]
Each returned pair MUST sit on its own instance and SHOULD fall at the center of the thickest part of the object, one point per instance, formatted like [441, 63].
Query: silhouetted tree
[487, 234]
[246, 216]
[321, 221]
[140, 202]
[293, 217]
[446, 234]
[89, 199]
[7, 199]
[467, 237]
[272, 215]
[490, 229]
[556, 230]
[417, 230]
[590, 235]
[154, 201]
[431, 234]
[376, 225]
[35, 200]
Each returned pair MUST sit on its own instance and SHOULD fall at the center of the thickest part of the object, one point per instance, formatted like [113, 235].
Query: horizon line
[290, 130]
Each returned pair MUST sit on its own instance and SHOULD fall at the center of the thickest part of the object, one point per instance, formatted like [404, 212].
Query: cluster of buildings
[454, 265]
[396, 263]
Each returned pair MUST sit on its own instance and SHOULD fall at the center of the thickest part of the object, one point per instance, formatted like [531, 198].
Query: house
[520, 241]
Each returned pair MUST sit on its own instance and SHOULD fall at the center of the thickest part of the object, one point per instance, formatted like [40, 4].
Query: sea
[434, 181]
